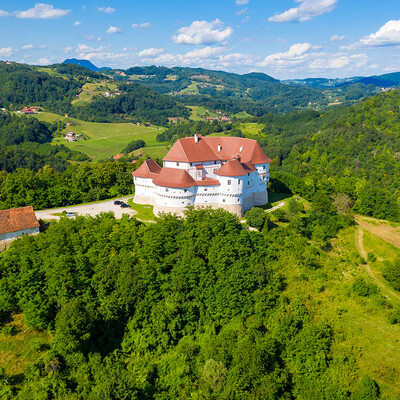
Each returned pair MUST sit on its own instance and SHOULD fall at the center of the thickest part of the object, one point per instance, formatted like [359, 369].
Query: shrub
[255, 217]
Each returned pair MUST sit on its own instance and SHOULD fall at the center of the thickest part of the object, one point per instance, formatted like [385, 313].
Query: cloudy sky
[283, 38]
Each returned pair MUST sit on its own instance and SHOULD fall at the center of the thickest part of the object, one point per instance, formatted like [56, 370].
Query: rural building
[118, 156]
[220, 172]
[18, 221]
[70, 137]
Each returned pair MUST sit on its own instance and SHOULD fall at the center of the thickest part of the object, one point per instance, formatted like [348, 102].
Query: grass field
[249, 128]
[159, 151]
[89, 90]
[106, 140]
[20, 346]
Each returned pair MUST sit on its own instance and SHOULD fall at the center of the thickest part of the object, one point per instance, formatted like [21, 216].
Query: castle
[219, 172]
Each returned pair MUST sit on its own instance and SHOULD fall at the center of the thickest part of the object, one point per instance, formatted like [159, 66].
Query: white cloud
[42, 11]
[297, 53]
[330, 63]
[6, 51]
[150, 52]
[27, 47]
[203, 32]
[141, 26]
[112, 29]
[242, 11]
[68, 49]
[339, 61]
[387, 35]
[44, 61]
[3, 13]
[106, 10]
[336, 37]
[241, 2]
[205, 52]
[77, 23]
[44, 46]
[305, 11]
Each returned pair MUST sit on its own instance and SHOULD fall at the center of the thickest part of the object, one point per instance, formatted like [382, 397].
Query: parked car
[117, 202]
[71, 214]
[124, 205]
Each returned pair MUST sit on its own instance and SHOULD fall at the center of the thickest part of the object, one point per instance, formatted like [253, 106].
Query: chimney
[196, 138]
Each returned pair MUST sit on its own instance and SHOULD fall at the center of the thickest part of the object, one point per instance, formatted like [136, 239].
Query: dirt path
[276, 207]
[389, 292]
[386, 232]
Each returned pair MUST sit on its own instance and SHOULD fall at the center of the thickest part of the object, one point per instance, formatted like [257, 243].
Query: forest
[183, 308]
[351, 151]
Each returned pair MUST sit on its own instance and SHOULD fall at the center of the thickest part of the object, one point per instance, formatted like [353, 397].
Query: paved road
[88, 209]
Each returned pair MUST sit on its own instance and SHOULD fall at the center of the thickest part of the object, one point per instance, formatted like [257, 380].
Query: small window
[215, 162]
[191, 164]
[223, 200]
[248, 174]
[248, 182]
[185, 190]
[239, 181]
[177, 164]
[166, 189]
[205, 189]
[229, 181]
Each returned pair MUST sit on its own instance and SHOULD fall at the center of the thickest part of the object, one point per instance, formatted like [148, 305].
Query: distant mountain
[84, 63]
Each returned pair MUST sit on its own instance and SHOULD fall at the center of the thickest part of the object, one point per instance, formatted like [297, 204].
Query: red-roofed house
[18, 221]
[221, 172]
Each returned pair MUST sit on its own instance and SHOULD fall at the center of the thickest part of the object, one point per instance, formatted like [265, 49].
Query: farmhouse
[18, 221]
[219, 172]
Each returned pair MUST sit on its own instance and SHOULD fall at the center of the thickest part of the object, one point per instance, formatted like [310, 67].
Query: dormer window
[241, 149]
[219, 148]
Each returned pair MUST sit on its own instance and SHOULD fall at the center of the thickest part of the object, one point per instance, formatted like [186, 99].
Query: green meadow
[106, 139]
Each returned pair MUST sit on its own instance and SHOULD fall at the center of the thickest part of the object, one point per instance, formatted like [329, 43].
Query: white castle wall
[235, 194]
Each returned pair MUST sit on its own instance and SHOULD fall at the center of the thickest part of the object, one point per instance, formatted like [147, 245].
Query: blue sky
[283, 38]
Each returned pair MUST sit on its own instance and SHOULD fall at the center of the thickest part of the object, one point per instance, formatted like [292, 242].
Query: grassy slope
[22, 347]
[106, 139]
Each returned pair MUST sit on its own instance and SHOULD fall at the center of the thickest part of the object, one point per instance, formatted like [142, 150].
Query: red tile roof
[17, 219]
[235, 168]
[149, 169]
[206, 149]
[187, 150]
[174, 177]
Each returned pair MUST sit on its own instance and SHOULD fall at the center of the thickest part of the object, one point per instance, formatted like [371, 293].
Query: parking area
[92, 209]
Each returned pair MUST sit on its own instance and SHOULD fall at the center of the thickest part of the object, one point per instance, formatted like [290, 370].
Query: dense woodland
[183, 308]
[351, 151]
[135, 102]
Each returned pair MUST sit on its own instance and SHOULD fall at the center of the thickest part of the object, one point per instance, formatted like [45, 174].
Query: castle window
[177, 164]
[229, 181]
[191, 164]
[166, 189]
[223, 200]
[239, 182]
[185, 190]
[215, 162]
[205, 189]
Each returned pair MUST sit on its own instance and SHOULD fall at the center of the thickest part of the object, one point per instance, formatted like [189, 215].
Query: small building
[66, 115]
[147, 124]
[118, 156]
[16, 222]
[70, 137]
